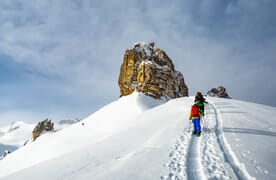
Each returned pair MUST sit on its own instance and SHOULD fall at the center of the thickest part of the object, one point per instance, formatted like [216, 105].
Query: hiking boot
[198, 133]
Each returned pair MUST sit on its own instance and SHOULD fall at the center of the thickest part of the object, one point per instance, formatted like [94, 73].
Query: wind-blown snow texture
[137, 137]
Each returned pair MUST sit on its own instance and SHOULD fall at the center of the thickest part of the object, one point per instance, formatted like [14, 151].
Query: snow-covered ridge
[16, 134]
[138, 137]
[120, 114]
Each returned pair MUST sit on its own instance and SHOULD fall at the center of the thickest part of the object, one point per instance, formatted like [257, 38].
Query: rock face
[149, 70]
[45, 125]
[218, 92]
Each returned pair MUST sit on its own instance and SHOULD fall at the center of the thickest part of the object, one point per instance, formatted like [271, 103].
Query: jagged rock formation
[149, 70]
[45, 125]
[218, 92]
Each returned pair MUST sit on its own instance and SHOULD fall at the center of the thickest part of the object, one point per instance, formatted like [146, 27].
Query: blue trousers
[196, 123]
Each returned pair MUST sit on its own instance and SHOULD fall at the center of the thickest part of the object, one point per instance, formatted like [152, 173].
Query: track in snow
[205, 157]
[238, 168]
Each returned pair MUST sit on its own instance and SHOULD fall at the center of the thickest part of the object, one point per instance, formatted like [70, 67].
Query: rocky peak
[46, 125]
[220, 91]
[149, 70]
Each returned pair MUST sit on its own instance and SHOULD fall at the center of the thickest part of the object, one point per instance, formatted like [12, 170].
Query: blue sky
[61, 59]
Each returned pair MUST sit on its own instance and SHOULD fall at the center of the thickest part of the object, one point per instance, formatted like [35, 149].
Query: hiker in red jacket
[195, 117]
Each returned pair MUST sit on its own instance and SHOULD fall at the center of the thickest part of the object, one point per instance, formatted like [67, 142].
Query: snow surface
[14, 136]
[137, 137]
[19, 133]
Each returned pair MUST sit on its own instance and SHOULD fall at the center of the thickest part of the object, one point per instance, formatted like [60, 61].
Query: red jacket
[194, 113]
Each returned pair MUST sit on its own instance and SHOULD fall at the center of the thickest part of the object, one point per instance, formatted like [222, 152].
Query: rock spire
[149, 70]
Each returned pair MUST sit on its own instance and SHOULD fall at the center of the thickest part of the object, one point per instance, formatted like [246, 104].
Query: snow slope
[14, 136]
[137, 137]
[19, 133]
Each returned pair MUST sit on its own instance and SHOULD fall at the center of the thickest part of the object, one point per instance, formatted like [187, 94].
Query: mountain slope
[14, 136]
[137, 138]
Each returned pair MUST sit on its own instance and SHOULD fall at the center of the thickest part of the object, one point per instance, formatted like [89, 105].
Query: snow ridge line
[229, 154]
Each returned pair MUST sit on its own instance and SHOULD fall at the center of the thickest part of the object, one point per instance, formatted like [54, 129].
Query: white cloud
[79, 45]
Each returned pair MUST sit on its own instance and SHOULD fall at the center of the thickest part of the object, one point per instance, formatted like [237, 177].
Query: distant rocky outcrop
[149, 70]
[46, 125]
[218, 92]
[68, 121]
[65, 123]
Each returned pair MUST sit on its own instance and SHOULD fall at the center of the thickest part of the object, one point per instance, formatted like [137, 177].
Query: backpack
[201, 99]
[195, 111]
